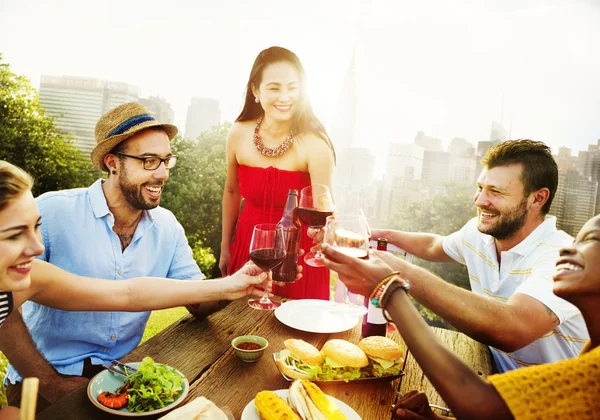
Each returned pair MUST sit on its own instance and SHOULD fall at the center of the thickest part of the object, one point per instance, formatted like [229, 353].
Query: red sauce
[248, 346]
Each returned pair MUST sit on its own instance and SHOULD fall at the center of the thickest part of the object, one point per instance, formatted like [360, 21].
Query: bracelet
[377, 292]
[393, 286]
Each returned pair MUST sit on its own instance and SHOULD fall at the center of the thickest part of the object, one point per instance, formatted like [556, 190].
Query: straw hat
[121, 123]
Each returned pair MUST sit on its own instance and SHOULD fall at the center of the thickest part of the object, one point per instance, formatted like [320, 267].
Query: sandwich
[198, 409]
[299, 360]
[343, 360]
[386, 356]
[311, 403]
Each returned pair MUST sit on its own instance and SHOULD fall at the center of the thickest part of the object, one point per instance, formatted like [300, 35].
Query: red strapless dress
[265, 192]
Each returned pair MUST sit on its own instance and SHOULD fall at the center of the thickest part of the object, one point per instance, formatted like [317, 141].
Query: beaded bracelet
[379, 289]
[392, 287]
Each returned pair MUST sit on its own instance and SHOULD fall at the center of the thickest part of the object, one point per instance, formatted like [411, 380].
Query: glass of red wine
[267, 250]
[314, 207]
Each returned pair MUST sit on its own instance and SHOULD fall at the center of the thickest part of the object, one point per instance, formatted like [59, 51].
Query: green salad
[153, 386]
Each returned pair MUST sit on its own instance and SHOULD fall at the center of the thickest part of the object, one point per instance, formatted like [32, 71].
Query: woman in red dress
[276, 144]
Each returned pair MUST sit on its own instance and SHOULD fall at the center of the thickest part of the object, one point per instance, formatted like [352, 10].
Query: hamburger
[386, 356]
[299, 360]
[343, 360]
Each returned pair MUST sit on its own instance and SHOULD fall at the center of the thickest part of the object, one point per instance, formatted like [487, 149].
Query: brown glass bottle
[292, 229]
[374, 323]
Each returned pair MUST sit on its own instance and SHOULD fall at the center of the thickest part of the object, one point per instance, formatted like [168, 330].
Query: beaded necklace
[267, 151]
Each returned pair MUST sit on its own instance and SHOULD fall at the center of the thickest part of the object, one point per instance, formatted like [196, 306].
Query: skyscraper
[345, 126]
[159, 108]
[575, 200]
[404, 167]
[202, 115]
[79, 102]
[354, 182]
[428, 142]
[498, 132]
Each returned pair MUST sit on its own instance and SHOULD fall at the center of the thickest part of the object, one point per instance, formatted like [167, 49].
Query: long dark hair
[304, 119]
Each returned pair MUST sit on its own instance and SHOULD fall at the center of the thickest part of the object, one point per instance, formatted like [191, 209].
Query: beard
[508, 224]
[133, 192]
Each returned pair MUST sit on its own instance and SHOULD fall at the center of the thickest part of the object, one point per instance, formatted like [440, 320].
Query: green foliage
[442, 211]
[31, 140]
[194, 191]
[204, 257]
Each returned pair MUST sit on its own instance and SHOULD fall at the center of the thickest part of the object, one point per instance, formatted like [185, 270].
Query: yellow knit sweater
[565, 390]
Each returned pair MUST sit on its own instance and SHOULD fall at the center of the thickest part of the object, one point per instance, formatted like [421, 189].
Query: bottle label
[375, 315]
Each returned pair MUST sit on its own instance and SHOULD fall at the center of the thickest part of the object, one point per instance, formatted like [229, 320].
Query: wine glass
[314, 207]
[349, 234]
[267, 250]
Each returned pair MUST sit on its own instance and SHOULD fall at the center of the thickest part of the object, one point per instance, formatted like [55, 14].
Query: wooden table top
[201, 349]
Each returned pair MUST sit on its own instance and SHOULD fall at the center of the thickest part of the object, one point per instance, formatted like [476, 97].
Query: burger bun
[346, 353]
[381, 348]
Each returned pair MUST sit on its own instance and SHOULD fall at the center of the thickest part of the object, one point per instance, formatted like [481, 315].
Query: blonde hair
[14, 181]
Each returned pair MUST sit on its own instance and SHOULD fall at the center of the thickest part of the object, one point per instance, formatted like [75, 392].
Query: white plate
[250, 412]
[316, 316]
[108, 381]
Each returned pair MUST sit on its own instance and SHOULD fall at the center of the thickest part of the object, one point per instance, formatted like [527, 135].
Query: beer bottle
[292, 229]
[374, 323]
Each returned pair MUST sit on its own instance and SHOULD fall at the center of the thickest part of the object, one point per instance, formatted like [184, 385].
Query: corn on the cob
[271, 407]
[328, 408]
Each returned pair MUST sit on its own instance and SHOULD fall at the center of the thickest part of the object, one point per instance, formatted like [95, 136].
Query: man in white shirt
[510, 250]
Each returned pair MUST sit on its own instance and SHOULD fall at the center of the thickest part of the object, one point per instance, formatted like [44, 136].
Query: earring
[113, 172]
[256, 100]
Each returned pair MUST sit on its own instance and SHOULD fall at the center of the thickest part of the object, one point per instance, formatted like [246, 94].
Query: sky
[448, 68]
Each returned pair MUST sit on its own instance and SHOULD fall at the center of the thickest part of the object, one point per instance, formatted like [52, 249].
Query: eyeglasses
[151, 163]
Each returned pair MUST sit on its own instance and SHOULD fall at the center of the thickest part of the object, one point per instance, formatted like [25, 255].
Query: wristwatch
[394, 285]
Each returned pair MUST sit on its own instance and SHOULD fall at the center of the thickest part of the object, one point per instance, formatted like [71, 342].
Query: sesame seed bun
[381, 347]
[344, 352]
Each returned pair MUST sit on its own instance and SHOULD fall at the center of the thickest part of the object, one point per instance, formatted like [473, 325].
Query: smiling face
[577, 272]
[141, 188]
[502, 207]
[20, 242]
[279, 91]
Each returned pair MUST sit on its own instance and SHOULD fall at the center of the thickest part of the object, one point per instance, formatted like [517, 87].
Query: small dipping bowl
[249, 355]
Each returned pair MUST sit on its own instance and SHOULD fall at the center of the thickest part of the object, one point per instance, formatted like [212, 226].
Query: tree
[30, 139]
[194, 191]
[442, 211]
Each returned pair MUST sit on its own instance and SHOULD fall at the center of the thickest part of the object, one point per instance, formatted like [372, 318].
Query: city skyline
[446, 70]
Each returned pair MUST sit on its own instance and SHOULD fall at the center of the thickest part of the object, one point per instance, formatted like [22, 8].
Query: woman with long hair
[276, 144]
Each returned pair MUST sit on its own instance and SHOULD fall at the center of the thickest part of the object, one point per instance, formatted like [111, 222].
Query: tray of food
[373, 359]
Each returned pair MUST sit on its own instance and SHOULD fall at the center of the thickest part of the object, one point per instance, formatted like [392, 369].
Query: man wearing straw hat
[114, 229]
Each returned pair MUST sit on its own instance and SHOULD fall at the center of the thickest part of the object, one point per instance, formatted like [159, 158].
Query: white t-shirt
[526, 268]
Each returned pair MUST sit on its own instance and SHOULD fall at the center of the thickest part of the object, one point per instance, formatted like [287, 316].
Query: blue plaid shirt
[78, 236]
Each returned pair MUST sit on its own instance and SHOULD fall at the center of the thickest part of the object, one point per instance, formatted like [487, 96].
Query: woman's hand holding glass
[314, 207]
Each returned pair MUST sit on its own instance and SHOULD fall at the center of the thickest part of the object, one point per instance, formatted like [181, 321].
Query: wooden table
[201, 349]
